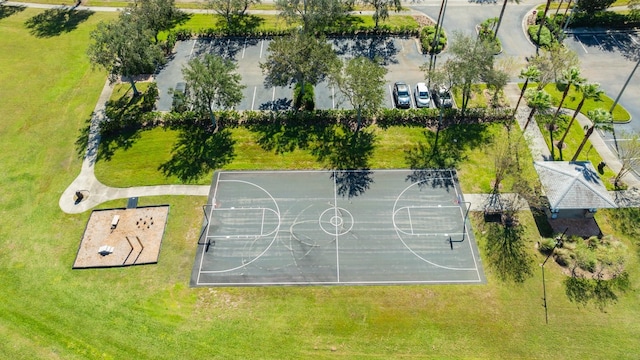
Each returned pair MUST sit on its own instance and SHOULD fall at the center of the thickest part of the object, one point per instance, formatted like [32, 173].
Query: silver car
[422, 96]
[401, 95]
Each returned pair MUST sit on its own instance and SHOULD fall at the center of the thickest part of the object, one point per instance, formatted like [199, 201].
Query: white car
[422, 96]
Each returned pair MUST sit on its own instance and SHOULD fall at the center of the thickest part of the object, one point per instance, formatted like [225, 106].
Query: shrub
[427, 35]
[545, 40]
[307, 102]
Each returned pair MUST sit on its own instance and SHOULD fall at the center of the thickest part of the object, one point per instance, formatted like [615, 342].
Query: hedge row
[186, 34]
[385, 118]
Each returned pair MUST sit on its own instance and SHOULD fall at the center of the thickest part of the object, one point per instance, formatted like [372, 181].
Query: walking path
[96, 193]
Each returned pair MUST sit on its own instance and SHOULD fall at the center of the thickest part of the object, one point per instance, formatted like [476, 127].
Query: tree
[381, 8]
[315, 15]
[496, 80]
[212, 81]
[629, 154]
[542, 21]
[125, 48]
[569, 77]
[504, 6]
[592, 6]
[229, 9]
[552, 63]
[471, 61]
[537, 100]
[530, 73]
[157, 15]
[588, 91]
[601, 119]
[362, 82]
[298, 59]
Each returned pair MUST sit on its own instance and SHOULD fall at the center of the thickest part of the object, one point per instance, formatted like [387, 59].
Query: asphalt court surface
[312, 228]
[401, 56]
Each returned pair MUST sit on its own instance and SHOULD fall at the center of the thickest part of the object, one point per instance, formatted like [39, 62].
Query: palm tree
[537, 100]
[530, 73]
[544, 18]
[504, 6]
[601, 119]
[570, 77]
[589, 91]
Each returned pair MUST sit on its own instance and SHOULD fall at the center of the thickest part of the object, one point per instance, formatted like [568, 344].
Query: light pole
[558, 244]
[618, 99]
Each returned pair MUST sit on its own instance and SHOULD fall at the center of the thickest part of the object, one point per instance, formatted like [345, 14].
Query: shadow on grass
[289, 131]
[542, 222]
[450, 150]
[239, 24]
[349, 153]
[6, 11]
[507, 252]
[198, 151]
[124, 119]
[53, 22]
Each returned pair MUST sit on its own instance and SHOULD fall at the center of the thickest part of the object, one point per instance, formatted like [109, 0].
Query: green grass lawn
[49, 311]
[620, 114]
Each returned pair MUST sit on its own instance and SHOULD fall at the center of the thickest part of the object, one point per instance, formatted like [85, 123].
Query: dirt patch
[122, 237]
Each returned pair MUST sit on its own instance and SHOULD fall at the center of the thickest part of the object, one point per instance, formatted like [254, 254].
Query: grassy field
[49, 311]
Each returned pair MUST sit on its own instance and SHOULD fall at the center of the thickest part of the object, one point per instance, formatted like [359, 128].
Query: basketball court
[336, 228]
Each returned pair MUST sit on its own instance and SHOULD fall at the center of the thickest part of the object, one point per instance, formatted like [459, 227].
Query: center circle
[336, 221]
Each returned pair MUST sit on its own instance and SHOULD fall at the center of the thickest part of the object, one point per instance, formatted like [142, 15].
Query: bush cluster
[427, 35]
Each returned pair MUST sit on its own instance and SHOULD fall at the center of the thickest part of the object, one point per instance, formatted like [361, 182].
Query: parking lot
[401, 56]
[604, 43]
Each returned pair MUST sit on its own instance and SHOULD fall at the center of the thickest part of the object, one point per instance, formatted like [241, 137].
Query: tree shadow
[239, 24]
[280, 104]
[123, 120]
[349, 153]
[6, 11]
[226, 47]
[507, 252]
[382, 48]
[352, 183]
[433, 178]
[53, 22]
[197, 151]
[288, 131]
[451, 148]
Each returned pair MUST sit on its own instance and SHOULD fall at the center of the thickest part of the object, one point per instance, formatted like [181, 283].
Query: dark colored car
[441, 97]
[401, 95]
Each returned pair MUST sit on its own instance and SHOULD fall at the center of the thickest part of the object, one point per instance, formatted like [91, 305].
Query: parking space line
[616, 40]
[333, 98]
[192, 47]
[253, 102]
[273, 96]
[261, 46]
[244, 47]
[581, 44]
[391, 96]
[633, 39]
[418, 47]
[597, 41]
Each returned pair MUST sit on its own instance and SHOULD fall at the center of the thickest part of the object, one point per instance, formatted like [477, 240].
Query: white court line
[253, 101]
[344, 282]
[262, 224]
[261, 46]
[410, 222]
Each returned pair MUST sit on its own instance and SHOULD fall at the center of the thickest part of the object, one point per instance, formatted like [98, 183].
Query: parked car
[179, 103]
[401, 95]
[441, 97]
[421, 94]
